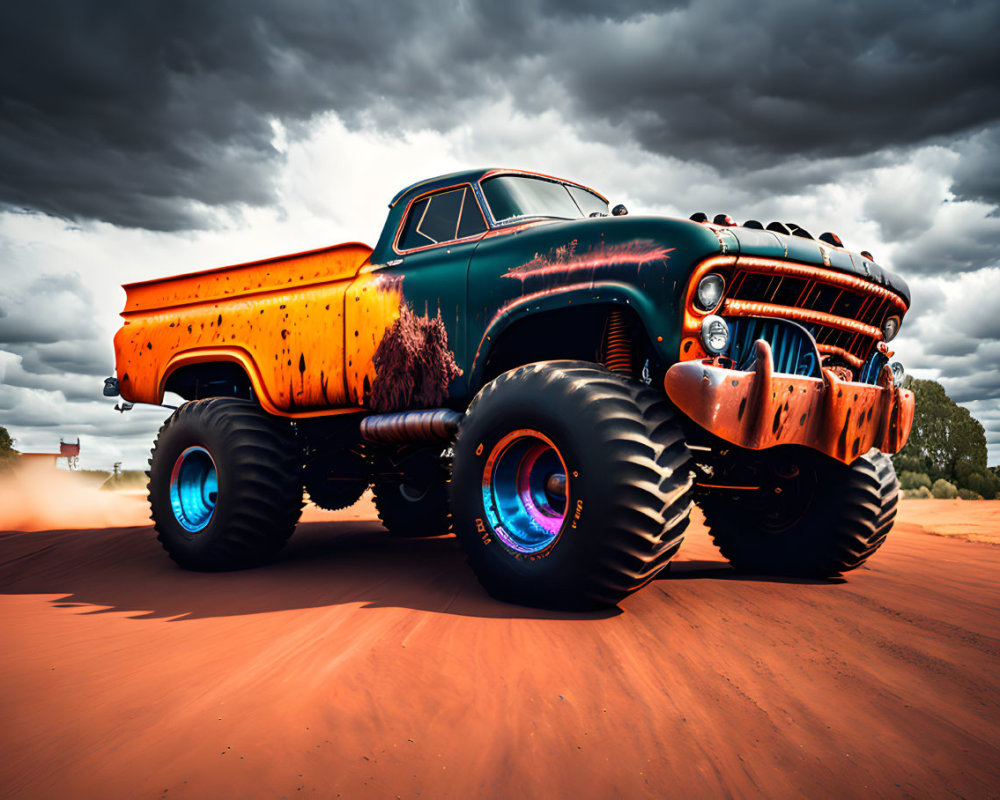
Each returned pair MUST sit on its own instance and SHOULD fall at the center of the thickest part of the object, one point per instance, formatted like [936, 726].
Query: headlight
[890, 328]
[898, 373]
[714, 334]
[709, 292]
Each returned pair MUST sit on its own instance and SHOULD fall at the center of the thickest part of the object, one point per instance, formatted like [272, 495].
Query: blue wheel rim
[518, 484]
[194, 489]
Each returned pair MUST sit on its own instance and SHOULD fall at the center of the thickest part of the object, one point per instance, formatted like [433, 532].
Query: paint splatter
[413, 365]
[564, 260]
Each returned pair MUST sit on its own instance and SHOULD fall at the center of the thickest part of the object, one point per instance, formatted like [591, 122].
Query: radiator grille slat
[807, 292]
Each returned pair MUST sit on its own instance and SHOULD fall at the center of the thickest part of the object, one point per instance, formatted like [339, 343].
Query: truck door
[436, 238]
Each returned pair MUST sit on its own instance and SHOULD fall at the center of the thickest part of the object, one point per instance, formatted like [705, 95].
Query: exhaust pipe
[430, 425]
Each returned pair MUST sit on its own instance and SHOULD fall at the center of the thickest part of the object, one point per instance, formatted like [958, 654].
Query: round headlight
[898, 373]
[714, 334]
[709, 292]
[890, 328]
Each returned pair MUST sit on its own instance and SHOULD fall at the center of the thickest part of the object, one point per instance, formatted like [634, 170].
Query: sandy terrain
[363, 666]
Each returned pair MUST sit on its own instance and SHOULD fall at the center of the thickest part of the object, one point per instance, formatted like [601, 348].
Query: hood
[769, 244]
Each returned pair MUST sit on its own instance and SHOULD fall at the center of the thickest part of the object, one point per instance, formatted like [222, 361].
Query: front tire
[571, 486]
[812, 516]
[224, 486]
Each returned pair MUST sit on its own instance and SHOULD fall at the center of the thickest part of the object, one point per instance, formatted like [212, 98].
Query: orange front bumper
[761, 409]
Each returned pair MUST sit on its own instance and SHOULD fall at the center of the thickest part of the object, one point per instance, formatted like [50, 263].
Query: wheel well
[212, 379]
[579, 334]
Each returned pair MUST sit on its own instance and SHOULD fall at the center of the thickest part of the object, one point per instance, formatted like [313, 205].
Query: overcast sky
[140, 139]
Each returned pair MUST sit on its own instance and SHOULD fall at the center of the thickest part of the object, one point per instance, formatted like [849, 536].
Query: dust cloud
[37, 497]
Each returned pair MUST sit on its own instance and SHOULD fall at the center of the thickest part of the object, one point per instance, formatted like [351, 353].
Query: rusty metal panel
[241, 280]
[760, 409]
[285, 325]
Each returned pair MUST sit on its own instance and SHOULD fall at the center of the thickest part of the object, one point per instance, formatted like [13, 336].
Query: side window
[442, 218]
[472, 221]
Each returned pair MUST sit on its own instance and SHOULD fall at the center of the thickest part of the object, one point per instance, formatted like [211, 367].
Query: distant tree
[7, 451]
[946, 440]
[985, 483]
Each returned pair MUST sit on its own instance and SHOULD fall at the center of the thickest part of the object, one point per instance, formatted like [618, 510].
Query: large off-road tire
[224, 485]
[415, 504]
[338, 481]
[571, 486]
[825, 518]
[332, 494]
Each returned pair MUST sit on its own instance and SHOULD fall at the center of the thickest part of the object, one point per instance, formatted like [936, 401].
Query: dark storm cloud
[964, 246]
[142, 113]
[46, 310]
[811, 79]
[977, 176]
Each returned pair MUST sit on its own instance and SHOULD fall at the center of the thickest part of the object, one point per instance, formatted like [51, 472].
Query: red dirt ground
[361, 665]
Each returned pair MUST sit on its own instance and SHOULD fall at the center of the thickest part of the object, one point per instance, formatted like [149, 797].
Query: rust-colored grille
[844, 313]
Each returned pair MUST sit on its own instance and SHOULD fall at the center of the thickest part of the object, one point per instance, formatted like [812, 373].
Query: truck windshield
[514, 196]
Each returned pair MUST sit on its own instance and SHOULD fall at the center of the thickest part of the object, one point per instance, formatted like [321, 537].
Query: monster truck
[554, 382]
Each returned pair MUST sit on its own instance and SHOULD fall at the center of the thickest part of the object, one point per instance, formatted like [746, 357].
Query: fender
[657, 321]
[241, 357]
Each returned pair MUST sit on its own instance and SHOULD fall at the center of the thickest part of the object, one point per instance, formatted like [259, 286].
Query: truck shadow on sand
[721, 570]
[124, 570]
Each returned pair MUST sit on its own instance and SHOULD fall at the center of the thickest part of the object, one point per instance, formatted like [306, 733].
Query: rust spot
[413, 363]
[842, 439]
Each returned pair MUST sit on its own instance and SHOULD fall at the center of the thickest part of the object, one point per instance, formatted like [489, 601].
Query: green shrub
[914, 480]
[917, 494]
[968, 494]
[943, 490]
[987, 484]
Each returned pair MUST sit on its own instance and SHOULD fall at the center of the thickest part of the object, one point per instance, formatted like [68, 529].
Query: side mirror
[619, 211]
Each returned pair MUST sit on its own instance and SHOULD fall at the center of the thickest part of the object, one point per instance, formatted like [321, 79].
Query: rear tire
[338, 481]
[416, 503]
[224, 485]
[840, 515]
[571, 486]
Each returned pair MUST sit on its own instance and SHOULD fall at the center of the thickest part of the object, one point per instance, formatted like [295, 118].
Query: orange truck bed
[304, 327]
